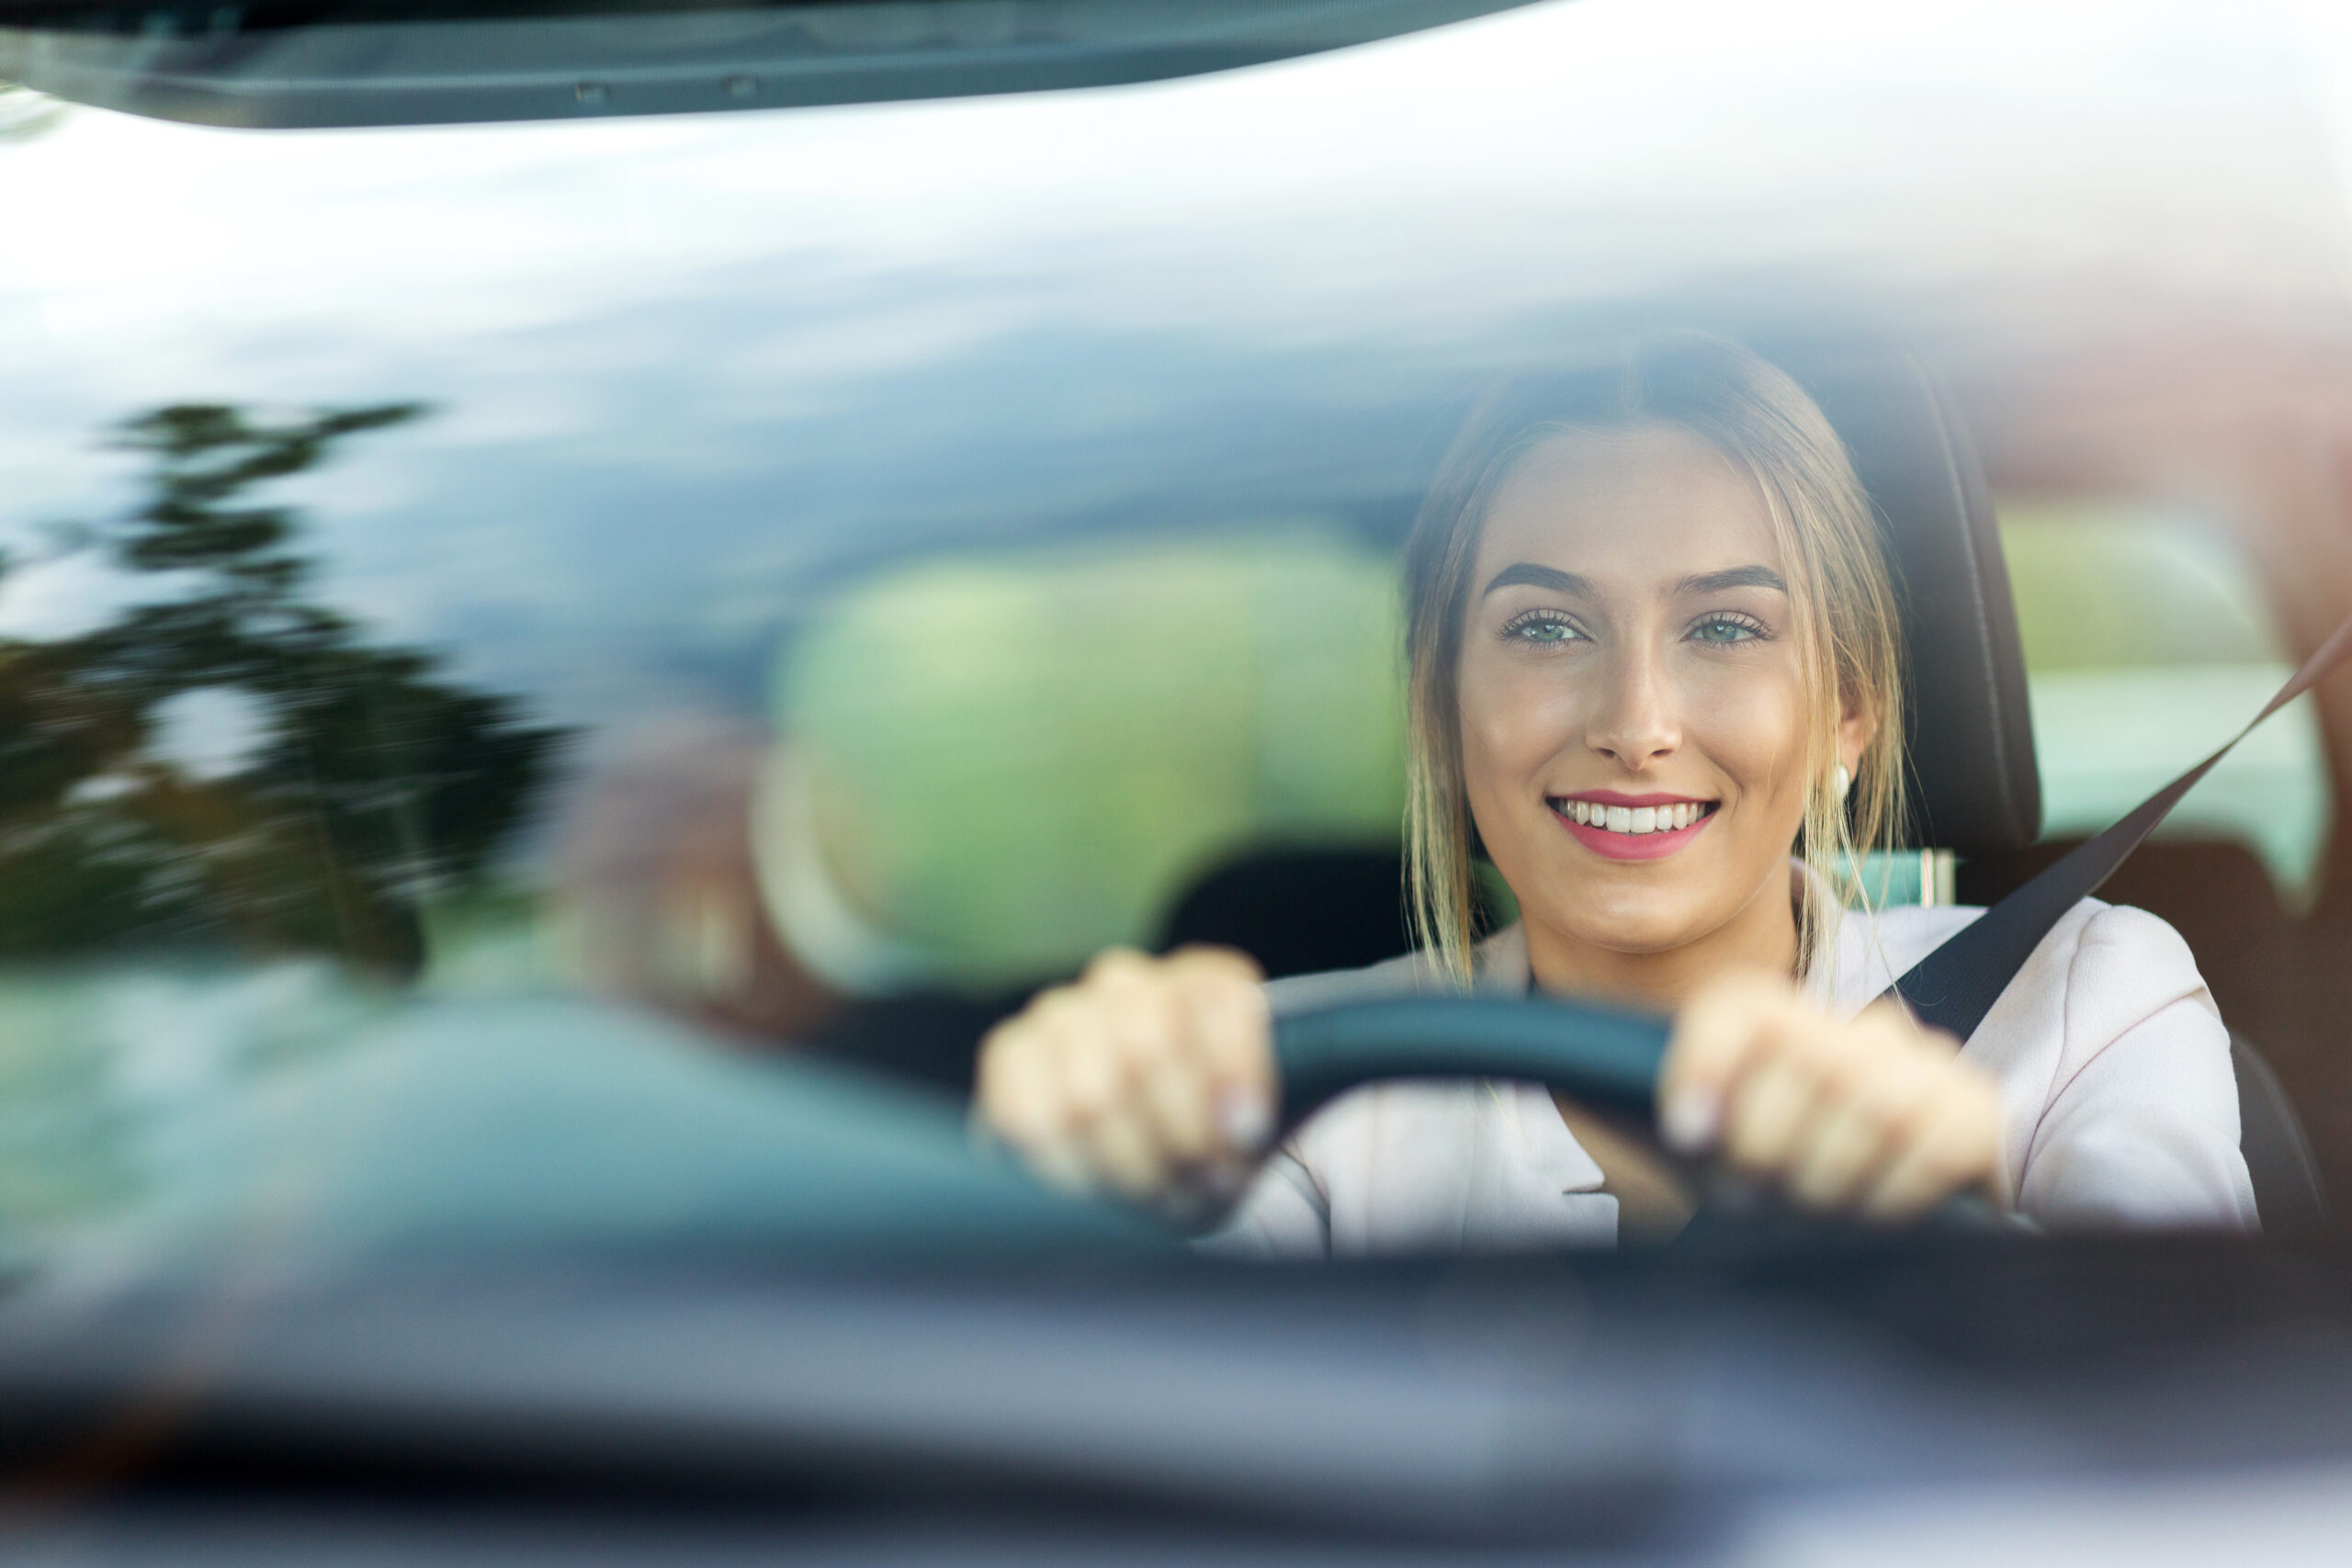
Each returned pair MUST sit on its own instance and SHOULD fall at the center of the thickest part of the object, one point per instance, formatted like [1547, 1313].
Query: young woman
[1654, 654]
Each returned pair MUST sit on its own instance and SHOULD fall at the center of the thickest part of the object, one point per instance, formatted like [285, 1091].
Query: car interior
[1320, 890]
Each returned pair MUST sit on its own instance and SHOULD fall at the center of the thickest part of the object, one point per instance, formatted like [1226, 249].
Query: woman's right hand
[1151, 1077]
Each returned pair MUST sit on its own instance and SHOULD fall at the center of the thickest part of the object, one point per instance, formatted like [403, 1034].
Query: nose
[1635, 723]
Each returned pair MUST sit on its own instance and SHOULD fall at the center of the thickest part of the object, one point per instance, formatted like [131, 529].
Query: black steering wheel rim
[1602, 1057]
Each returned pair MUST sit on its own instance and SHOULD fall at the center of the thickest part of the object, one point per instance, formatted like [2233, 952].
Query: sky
[679, 363]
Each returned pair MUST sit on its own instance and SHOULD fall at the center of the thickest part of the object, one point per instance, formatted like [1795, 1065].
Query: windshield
[557, 677]
[422, 538]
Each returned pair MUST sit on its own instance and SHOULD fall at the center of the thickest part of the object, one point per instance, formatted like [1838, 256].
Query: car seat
[1977, 787]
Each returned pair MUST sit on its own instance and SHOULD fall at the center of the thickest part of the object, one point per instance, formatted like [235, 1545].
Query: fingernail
[1059, 1166]
[1687, 1122]
[1244, 1118]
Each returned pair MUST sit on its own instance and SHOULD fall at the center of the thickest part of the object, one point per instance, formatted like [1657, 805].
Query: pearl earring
[1841, 782]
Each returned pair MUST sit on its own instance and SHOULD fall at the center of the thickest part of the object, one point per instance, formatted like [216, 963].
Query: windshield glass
[683, 623]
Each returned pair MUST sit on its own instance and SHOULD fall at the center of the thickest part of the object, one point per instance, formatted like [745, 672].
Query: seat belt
[1953, 987]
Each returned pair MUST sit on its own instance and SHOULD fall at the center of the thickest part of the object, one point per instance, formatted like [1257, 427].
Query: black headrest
[1974, 784]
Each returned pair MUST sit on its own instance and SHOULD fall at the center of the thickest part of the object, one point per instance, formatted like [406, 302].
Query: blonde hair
[1842, 602]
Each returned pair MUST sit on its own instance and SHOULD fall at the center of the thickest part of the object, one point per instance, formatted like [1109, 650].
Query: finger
[1142, 1021]
[1090, 1069]
[1958, 1146]
[1022, 1101]
[1123, 1154]
[1773, 1107]
[1716, 1037]
[1230, 1033]
[1083, 1077]
[1061, 1164]
[1175, 1097]
[1114, 963]
[1020, 1096]
[1860, 1128]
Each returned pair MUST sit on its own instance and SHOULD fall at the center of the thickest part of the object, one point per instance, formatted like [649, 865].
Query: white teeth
[1635, 818]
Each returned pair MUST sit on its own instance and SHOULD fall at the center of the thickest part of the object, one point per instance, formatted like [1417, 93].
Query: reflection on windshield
[226, 758]
[25, 114]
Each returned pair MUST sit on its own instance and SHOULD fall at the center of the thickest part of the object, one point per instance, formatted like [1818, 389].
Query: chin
[1631, 925]
[1634, 944]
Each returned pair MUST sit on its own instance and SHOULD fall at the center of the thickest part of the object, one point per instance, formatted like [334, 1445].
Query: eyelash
[1757, 630]
[1519, 625]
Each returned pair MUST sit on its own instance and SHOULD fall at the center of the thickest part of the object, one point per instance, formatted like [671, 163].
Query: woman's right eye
[1543, 626]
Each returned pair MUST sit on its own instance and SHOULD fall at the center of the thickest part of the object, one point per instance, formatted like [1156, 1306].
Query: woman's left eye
[1725, 630]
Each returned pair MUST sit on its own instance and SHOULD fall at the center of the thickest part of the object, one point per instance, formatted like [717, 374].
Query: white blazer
[2120, 1104]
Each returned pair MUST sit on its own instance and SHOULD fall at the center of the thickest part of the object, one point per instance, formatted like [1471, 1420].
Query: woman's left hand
[1872, 1115]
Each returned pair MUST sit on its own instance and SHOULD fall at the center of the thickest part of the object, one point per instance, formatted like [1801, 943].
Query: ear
[1857, 727]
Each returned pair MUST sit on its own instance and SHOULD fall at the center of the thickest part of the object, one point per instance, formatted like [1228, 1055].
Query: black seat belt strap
[1955, 986]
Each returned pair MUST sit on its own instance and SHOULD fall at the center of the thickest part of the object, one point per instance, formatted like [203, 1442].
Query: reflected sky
[682, 364]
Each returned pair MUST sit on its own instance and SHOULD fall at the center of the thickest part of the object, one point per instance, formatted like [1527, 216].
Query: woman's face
[1633, 701]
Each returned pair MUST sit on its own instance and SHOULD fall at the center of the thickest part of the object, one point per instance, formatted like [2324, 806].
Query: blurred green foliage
[1020, 758]
[2111, 587]
[2148, 642]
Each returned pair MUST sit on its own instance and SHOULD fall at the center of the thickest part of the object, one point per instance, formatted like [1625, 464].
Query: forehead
[1648, 501]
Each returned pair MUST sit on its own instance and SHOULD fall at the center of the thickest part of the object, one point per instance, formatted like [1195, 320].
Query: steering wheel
[1599, 1055]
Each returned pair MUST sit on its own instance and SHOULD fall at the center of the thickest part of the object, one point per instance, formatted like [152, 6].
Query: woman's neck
[1762, 935]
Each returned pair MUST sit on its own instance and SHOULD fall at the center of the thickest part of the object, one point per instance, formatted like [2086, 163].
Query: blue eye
[1726, 631]
[1543, 626]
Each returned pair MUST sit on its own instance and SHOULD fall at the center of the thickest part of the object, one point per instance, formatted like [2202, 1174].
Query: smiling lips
[1633, 827]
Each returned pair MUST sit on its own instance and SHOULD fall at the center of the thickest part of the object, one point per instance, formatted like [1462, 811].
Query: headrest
[1974, 785]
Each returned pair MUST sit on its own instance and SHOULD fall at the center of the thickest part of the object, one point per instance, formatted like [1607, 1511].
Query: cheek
[1752, 727]
[1514, 718]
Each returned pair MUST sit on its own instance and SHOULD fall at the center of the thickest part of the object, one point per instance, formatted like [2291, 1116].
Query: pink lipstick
[1632, 827]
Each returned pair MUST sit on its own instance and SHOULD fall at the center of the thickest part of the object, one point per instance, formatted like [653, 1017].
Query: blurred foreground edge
[402, 63]
[1535, 1397]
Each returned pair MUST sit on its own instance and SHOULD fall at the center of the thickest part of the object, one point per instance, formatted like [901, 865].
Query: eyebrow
[1737, 577]
[1534, 576]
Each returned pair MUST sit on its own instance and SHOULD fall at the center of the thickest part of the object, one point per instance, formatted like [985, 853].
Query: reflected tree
[370, 782]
